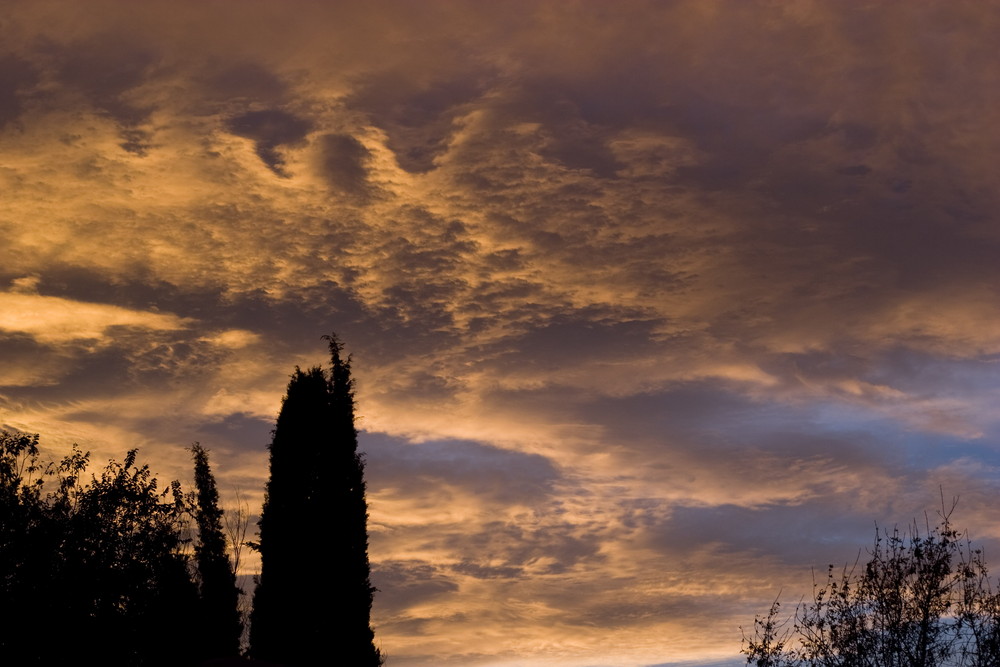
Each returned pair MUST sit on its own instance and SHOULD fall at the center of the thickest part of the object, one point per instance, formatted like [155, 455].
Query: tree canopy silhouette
[921, 600]
[313, 600]
[93, 569]
[101, 569]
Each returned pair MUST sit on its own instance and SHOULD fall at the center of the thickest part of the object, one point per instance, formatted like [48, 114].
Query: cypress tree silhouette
[314, 595]
[220, 618]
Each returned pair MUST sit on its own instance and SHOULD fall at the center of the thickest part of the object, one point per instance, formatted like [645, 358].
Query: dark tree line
[96, 568]
[103, 568]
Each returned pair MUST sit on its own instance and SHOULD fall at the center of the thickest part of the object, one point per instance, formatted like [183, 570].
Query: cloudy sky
[654, 306]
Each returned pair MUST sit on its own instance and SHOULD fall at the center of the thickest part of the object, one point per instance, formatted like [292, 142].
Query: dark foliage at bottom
[93, 570]
[921, 600]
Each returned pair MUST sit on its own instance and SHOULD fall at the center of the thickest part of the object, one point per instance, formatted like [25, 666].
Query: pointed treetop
[340, 370]
[336, 347]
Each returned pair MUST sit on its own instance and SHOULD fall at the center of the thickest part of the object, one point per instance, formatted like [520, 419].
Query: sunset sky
[653, 306]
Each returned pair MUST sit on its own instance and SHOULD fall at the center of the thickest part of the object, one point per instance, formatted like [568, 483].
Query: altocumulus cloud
[653, 306]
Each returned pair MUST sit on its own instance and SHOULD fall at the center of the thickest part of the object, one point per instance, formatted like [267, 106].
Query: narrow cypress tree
[314, 595]
[220, 622]
[352, 589]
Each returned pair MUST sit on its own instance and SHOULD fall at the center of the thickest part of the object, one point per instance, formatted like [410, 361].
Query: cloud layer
[653, 305]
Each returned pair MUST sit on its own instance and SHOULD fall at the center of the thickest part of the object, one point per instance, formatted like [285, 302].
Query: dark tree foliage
[91, 570]
[314, 597]
[220, 625]
[125, 571]
[25, 541]
[922, 600]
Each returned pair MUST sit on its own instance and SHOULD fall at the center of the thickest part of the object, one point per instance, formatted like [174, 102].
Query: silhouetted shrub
[92, 569]
[921, 600]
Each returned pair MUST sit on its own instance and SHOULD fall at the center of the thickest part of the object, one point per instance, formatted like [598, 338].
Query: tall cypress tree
[314, 595]
[220, 622]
